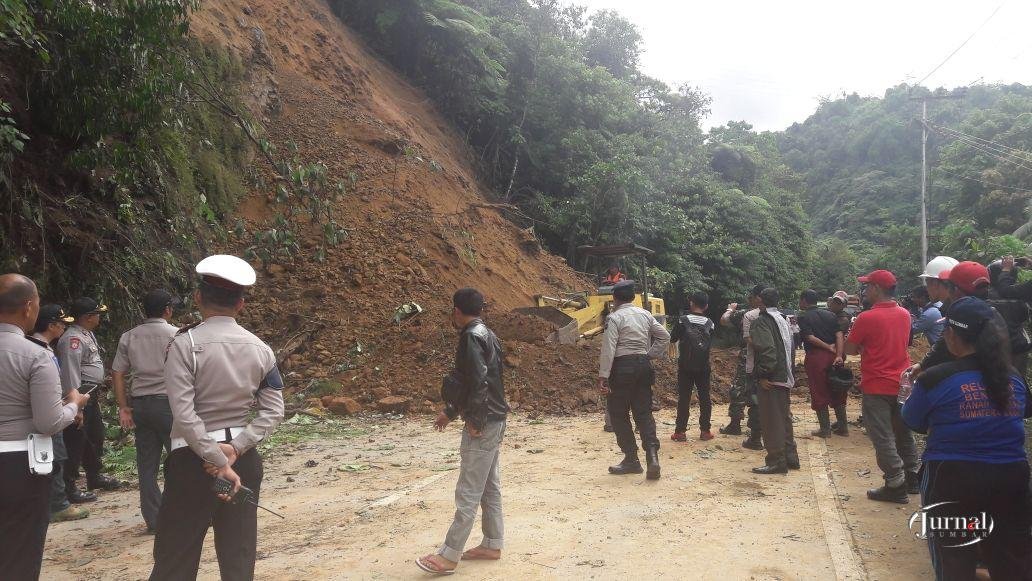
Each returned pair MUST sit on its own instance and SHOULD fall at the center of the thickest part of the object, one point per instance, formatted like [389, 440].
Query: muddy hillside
[418, 226]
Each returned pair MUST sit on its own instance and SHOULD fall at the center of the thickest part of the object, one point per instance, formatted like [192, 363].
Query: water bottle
[906, 387]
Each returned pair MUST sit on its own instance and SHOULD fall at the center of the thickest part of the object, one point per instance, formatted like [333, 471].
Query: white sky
[768, 61]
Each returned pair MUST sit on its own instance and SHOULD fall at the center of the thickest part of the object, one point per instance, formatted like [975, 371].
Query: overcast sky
[768, 62]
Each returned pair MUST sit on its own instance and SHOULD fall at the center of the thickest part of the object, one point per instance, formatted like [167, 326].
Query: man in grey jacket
[475, 390]
[772, 368]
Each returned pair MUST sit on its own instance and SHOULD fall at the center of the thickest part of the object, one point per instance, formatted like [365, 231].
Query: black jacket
[1009, 288]
[478, 367]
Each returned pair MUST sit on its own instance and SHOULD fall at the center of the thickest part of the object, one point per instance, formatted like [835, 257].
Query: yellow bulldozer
[577, 315]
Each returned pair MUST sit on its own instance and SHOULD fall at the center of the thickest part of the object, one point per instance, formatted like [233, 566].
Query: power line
[991, 150]
[967, 40]
[995, 144]
[991, 184]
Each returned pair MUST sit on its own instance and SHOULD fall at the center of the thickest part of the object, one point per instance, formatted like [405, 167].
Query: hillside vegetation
[860, 160]
[565, 125]
[481, 129]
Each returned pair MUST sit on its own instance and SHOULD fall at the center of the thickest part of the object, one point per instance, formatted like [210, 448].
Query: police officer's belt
[631, 359]
[221, 436]
[15, 446]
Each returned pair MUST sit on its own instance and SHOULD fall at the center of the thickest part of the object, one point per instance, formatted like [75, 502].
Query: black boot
[734, 428]
[824, 419]
[630, 465]
[753, 442]
[775, 466]
[913, 483]
[841, 425]
[76, 496]
[652, 459]
[792, 460]
[103, 482]
[896, 494]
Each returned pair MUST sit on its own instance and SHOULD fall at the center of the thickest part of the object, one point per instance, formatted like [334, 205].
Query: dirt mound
[418, 226]
[520, 327]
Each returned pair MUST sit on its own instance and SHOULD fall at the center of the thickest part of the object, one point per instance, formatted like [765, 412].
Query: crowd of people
[208, 393]
[204, 394]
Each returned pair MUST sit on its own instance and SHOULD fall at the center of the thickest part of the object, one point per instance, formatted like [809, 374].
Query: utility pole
[924, 166]
[924, 182]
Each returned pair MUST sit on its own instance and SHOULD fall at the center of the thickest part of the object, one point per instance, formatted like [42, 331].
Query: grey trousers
[153, 418]
[479, 485]
[776, 424]
[894, 446]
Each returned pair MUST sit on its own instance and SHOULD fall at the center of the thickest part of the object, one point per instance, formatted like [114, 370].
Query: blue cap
[968, 315]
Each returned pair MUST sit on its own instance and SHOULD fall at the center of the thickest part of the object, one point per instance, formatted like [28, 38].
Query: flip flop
[430, 568]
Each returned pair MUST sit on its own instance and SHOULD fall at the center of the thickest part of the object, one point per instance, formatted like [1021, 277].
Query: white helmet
[937, 265]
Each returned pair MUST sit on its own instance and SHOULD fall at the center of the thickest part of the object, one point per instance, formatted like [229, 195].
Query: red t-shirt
[884, 333]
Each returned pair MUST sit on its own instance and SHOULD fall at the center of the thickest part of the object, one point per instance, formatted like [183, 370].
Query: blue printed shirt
[950, 404]
[929, 323]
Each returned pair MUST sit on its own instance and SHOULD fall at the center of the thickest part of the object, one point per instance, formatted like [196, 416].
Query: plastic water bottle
[906, 387]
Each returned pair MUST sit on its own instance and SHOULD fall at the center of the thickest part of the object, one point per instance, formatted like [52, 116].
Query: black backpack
[695, 345]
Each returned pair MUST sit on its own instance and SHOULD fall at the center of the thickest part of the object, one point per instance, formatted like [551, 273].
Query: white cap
[937, 265]
[228, 268]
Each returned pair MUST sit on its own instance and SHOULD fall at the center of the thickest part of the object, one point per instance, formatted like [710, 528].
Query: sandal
[431, 566]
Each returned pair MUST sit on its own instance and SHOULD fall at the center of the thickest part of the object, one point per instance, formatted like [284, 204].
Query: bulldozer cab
[615, 254]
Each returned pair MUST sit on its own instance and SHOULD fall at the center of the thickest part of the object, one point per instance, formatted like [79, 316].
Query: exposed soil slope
[419, 226]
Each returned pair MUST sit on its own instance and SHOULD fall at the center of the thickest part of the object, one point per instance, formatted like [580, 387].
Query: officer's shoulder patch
[273, 379]
[74, 343]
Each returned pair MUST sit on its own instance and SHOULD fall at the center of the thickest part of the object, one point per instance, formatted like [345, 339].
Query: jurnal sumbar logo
[956, 530]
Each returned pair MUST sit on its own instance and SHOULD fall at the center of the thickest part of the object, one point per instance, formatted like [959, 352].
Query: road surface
[380, 494]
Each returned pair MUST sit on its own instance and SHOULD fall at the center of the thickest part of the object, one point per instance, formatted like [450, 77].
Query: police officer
[50, 325]
[30, 392]
[83, 369]
[632, 338]
[141, 356]
[214, 372]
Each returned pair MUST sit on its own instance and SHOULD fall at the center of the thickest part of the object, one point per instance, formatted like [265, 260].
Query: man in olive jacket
[772, 369]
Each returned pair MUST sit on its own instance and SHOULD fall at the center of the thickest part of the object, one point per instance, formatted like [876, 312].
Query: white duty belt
[221, 436]
[14, 446]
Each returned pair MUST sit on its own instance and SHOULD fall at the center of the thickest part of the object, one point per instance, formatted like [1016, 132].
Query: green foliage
[12, 140]
[140, 174]
[963, 240]
[114, 68]
[17, 27]
[861, 161]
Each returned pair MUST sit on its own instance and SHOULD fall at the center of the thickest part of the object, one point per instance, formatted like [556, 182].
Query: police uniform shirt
[79, 354]
[631, 330]
[30, 389]
[141, 352]
[213, 373]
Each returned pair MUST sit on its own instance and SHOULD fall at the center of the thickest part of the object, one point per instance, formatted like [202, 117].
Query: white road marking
[847, 562]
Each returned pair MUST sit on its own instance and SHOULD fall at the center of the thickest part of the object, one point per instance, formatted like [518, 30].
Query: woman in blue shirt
[974, 460]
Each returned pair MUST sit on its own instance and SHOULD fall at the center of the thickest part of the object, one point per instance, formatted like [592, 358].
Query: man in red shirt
[880, 336]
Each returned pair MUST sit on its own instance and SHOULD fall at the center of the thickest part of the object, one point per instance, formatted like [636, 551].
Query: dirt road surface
[380, 494]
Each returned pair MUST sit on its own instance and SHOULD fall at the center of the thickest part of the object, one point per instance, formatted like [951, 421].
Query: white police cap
[227, 268]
